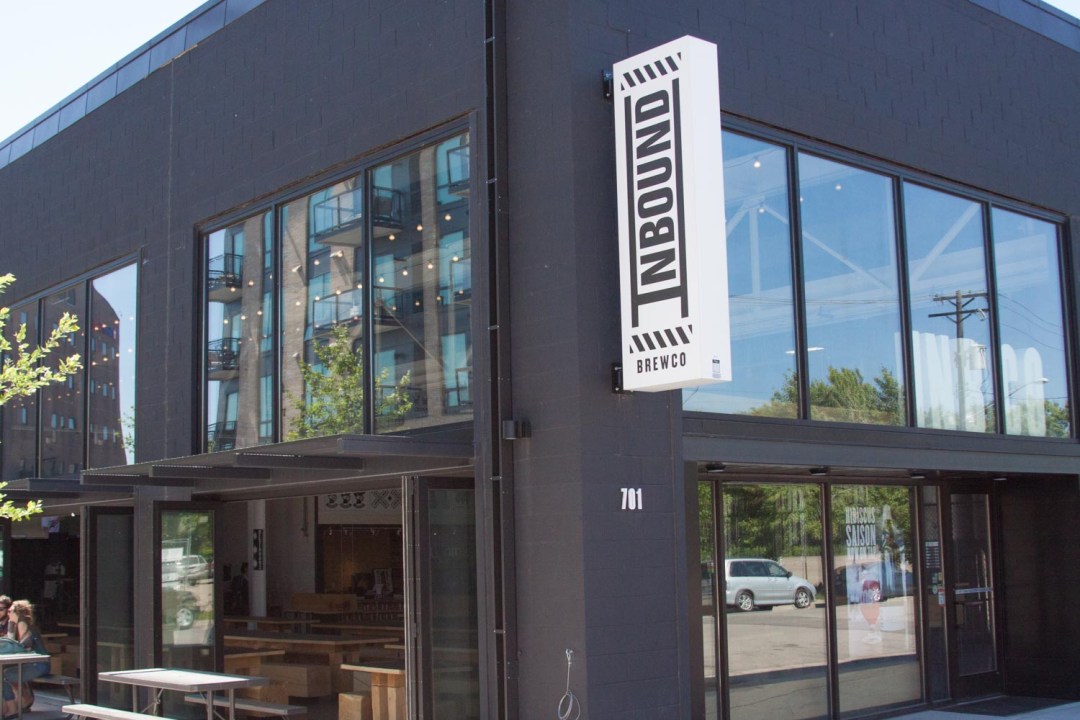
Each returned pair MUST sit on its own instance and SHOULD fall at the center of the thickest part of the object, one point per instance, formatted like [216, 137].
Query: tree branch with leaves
[333, 399]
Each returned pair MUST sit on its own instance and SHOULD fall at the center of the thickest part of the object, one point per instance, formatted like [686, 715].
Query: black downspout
[502, 675]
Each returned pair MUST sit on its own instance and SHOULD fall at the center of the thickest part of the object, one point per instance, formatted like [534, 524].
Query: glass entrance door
[974, 657]
[441, 617]
[187, 611]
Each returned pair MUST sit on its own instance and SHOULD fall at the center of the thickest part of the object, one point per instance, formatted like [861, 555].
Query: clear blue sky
[51, 48]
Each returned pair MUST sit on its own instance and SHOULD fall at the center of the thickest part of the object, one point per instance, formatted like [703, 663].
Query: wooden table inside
[387, 688]
[246, 660]
[263, 622]
[330, 646]
[186, 681]
[361, 630]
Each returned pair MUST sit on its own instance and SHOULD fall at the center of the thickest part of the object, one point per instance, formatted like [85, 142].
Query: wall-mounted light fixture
[715, 468]
[820, 470]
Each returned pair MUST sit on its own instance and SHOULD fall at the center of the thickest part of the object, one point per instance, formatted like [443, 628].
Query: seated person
[28, 637]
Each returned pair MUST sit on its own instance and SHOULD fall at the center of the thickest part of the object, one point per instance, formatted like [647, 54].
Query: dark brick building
[356, 268]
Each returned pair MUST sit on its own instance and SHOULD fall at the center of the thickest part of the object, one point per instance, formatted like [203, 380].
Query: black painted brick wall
[941, 86]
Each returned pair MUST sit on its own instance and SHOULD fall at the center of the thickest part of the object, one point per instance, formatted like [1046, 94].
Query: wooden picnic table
[361, 629]
[263, 622]
[248, 661]
[387, 688]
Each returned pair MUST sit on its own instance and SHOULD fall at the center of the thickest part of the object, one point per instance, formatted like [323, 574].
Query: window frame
[84, 283]
[899, 175]
[274, 203]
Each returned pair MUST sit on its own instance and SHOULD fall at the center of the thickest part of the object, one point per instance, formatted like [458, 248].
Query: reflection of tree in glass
[334, 390]
[1057, 419]
[193, 528]
[843, 397]
[772, 521]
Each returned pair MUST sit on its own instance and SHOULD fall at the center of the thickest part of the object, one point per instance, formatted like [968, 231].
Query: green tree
[843, 396]
[23, 371]
[333, 401]
[1057, 419]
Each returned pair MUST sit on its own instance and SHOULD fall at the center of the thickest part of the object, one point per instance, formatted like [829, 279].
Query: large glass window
[777, 663]
[759, 285]
[62, 404]
[239, 354]
[323, 312]
[88, 419]
[372, 307]
[851, 287]
[875, 593]
[18, 446]
[950, 311]
[1033, 367]
[850, 275]
[422, 289]
[779, 582]
[111, 368]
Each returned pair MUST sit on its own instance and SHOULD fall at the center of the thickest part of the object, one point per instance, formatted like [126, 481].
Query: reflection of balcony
[384, 404]
[392, 304]
[221, 436]
[224, 276]
[223, 359]
[387, 210]
[348, 307]
[339, 220]
[457, 170]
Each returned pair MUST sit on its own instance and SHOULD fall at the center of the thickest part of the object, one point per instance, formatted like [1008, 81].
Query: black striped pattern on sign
[650, 71]
[660, 339]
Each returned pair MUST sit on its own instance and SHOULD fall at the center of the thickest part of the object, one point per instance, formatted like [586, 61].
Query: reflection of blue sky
[120, 290]
[759, 278]
[849, 262]
[852, 283]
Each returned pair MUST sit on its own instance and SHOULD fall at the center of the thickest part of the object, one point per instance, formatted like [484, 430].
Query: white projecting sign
[672, 239]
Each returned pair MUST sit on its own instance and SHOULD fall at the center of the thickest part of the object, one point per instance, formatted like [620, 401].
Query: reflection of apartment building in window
[88, 420]
[376, 248]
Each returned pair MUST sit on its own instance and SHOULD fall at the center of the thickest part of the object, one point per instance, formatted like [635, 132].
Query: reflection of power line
[962, 310]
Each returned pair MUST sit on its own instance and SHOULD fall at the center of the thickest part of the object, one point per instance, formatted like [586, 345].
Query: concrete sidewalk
[1005, 707]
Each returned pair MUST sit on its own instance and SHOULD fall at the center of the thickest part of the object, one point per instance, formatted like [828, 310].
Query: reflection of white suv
[757, 582]
[193, 568]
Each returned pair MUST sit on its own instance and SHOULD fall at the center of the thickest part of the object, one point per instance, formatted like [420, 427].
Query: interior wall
[234, 549]
[1040, 553]
[290, 550]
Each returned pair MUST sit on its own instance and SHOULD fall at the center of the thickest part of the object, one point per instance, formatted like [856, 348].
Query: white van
[758, 582]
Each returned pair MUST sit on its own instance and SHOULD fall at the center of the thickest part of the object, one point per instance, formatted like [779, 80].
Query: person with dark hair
[26, 633]
[238, 597]
[5, 604]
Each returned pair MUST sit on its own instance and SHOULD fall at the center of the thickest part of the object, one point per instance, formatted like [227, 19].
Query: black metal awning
[298, 467]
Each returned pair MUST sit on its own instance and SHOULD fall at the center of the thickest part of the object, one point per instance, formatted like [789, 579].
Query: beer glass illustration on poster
[876, 558]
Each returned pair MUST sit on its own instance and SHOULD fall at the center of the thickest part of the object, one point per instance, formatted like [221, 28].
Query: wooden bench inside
[83, 710]
[249, 705]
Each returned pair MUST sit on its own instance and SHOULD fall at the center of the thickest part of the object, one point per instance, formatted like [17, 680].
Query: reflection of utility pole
[961, 311]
